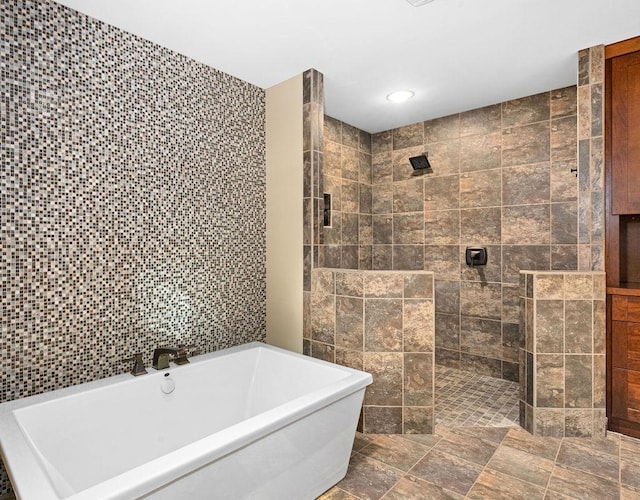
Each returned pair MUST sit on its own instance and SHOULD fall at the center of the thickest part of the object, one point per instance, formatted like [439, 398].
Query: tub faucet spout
[162, 356]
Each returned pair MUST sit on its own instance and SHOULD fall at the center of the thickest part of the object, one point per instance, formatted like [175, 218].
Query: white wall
[284, 214]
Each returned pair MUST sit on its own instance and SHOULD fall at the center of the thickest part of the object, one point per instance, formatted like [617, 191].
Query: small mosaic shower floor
[467, 399]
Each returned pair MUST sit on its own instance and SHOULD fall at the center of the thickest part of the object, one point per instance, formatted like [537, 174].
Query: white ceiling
[455, 55]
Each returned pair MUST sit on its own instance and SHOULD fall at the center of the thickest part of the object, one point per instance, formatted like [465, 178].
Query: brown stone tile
[492, 484]
[383, 325]
[480, 189]
[549, 422]
[383, 285]
[382, 257]
[350, 228]
[527, 224]
[322, 351]
[481, 120]
[481, 300]
[350, 194]
[448, 331]
[630, 475]
[368, 479]
[578, 381]
[383, 419]
[441, 193]
[428, 440]
[480, 152]
[349, 322]
[564, 102]
[418, 324]
[481, 365]
[564, 257]
[511, 339]
[350, 164]
[412, 487]
[443, 261]
[440, 129]
[441, 227]
[448, 471]
[408, 257]
[382, 229]
[382, 198]
[628, 493]
[418, 419]
[332, 129]
[447, 297]
[350, 136]
[365, 228]
[480, 225]
[528, 109]
[526, 184]
[578, 422]
[396, 451]
[549, 286]
[465, 446]
[408, 136]
[564, 183]
[563, 223]
[418, 285]
[386, 369]
[584, 112]
[332, 165]
[447, 357]
[381, 168]
[517, 257]
[418, 379]
[578, 484]
[361, 440]
[408, 229]
[526, 144]
[493, 435]
[564, 138]
[482, 337]
[381, 142]
[349, 358]
[408, 196]
[550, 380]
[629, 448]
[444, 157]
[596, 456]
[543, 447]
[323, 317]
[549, 326]
[578, 323]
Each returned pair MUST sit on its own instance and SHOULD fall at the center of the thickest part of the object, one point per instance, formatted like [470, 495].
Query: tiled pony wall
[133, 201]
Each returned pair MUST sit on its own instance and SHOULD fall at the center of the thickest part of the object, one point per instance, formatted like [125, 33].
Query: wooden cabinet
[625, 134]
[624, 397]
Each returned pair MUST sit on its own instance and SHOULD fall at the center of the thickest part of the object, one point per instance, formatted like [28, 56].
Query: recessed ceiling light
[400, 96]
[418, 3]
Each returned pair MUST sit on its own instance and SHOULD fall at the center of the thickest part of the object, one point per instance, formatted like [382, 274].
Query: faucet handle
[192, 349]
[138, 364]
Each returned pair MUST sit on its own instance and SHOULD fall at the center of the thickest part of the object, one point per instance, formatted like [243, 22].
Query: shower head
[421, 163]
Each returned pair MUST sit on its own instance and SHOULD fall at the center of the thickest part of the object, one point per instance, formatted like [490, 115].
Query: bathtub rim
[26, 470]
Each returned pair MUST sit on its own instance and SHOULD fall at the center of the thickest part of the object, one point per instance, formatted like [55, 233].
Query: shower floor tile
[466, 399]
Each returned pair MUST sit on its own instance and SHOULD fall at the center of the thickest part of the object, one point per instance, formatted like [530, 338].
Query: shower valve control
[476, 256]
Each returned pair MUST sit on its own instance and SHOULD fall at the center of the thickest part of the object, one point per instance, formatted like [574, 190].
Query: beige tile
[577, 484]
[368, 479]
[448, 471]
[412, 487]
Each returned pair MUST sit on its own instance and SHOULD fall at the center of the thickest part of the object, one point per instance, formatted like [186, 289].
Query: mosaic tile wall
[563, 383]
[591, 159]
[347, 178]
[133, 201]
[501, 179]
[383, 323]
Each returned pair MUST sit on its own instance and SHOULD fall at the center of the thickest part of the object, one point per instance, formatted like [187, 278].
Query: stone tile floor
[490, 463]
[479, 451]
[466, 399]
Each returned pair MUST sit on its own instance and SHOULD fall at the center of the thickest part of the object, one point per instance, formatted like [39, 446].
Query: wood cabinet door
[625, 134]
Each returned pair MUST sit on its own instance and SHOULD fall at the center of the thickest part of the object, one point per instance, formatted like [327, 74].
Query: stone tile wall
[501, 179]
[591, 158]
[347, 178]
[383, 323]
[563, 369]
[133, 201]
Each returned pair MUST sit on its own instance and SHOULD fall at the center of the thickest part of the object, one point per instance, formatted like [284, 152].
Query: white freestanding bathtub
[252, 421]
